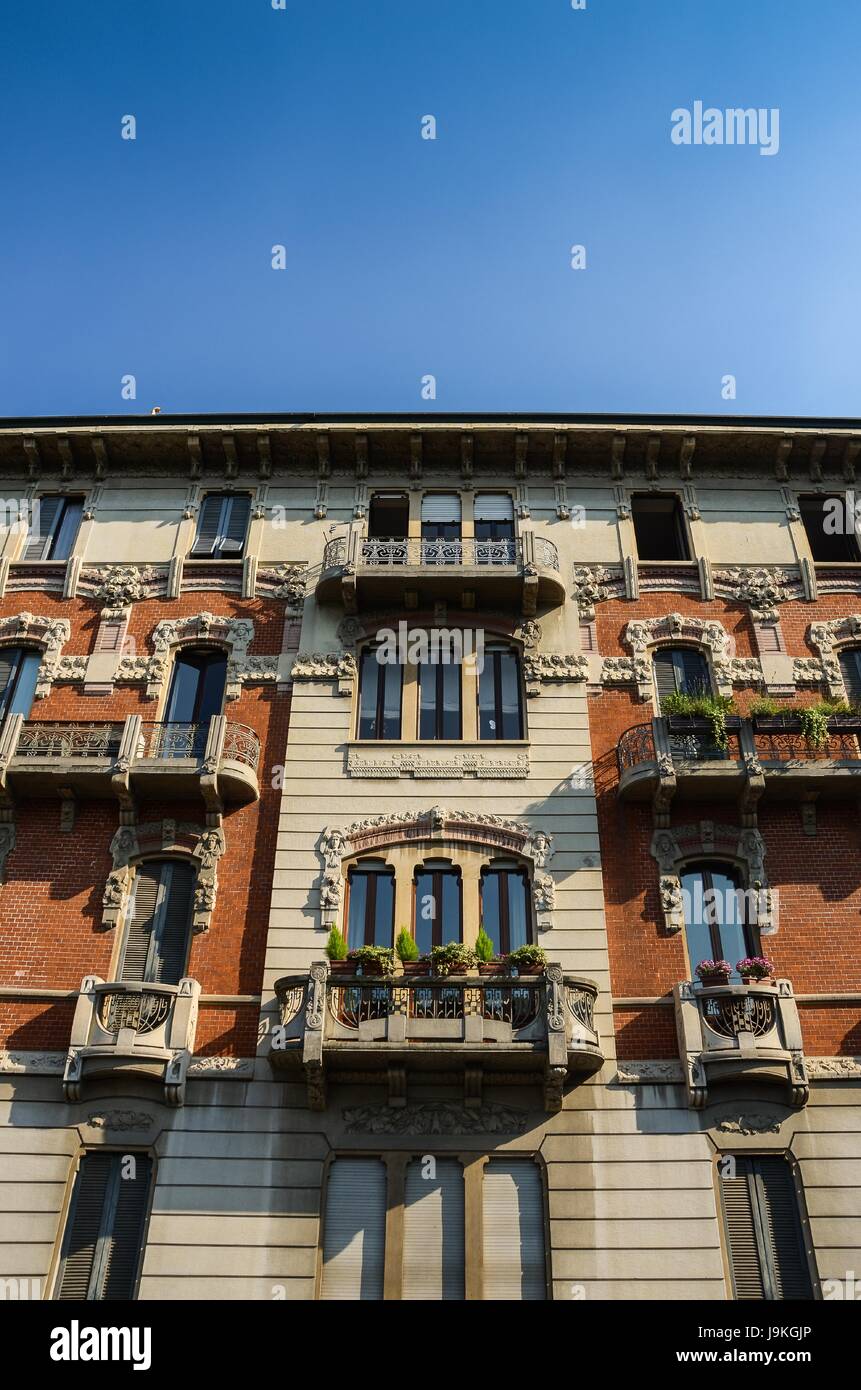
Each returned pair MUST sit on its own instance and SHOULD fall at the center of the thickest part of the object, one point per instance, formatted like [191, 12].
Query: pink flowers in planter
[755, 968]
[712, 970]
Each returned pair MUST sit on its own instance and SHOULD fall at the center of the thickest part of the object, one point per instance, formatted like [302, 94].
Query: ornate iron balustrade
[789, 745]
[417, 552]
[167, 740]
[740, 1033]
[39, 739]
[242, 745]
[126, 1029]
[637, 745]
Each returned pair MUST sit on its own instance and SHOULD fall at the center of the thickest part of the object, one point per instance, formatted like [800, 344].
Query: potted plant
[713, 972]
[453, 959]
[336, 953]
[700, 713]
[755, 968]
[527, 960]
[408, 953]
[372, 960]
[488, 963]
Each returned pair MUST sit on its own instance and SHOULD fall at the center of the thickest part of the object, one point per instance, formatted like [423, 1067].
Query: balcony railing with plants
[145, 1030]
[346, 1014]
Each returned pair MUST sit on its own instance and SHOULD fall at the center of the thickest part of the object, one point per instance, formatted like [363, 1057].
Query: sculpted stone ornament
[745, 847]
[761, 588]
[672, 903]
[202, 847]
[642, 636]
[283, 581]
[594, 584]
[754, 1123]
[49, 635]
[120, 585]
[828, 639]
[435, 1117]
[554, 666]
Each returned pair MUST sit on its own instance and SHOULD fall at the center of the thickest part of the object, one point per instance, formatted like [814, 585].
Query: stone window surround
[829, 639]
[676, 846]
[406, 840]
[644, 636]
[49, 635]
[133, 845]
[233, 635]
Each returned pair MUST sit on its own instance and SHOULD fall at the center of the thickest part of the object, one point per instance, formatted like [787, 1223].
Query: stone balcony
[462, 1029]
[132, 1030]
[676, 758]
[410, 572]
[739, 1033]
[217, 762]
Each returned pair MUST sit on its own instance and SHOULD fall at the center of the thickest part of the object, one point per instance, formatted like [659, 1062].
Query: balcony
[360, 573]
[132, 1030]
[738, 1033]
[466, 1029]
[217, 761]
[677, 757]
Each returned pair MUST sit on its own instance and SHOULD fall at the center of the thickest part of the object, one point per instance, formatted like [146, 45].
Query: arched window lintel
[676, 847]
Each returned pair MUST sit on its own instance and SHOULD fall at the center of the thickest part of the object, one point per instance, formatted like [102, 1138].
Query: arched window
[500, 699]
[720, 915]
[380, 686]
[438, 904]
[158, 926]
[370, 904]
[505, 908]
[19, 672]
[850, 669]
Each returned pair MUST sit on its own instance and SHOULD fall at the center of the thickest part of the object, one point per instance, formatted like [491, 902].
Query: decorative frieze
[435, 1117]
[760, 587]
[453, 762]
[553, 666]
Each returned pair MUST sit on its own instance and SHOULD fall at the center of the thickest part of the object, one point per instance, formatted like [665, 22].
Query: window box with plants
[814, 722]
[452, 959]
[756, 970]
[527, 960]
[713, 972]
[707, 718]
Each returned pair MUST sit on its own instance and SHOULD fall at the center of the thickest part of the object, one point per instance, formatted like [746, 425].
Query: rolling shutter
[441, 506]
[513, 1202]
[433, 1260]
[763, 1230]
[207, 525]
[39, 541]
[354, 1242]
[494, 506]
[105, 1228]
[850, 666]
[141, 924]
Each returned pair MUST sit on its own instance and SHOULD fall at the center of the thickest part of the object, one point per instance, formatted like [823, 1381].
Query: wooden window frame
[372, 874]
[519, 871]
[437, 875]
[801, 1207]
[53, 1280]
[490, 656]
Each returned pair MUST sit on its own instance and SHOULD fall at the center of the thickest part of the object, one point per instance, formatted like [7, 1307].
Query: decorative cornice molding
[451, 763]
[435, 1117]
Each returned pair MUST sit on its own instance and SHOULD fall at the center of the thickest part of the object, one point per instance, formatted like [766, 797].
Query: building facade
[582, 685]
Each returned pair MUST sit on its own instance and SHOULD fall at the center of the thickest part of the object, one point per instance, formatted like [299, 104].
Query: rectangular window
[828, 546]
[155, 948]
[505, 908]
[104, 1236]
[513, 1227]
[500, 711]
[765, 1240]
[439, 700]
[221, 526]
[55, 525]
[659, 528]
[19, 673]
[388, 516]
[380, 685]
[354, 1237]
[438, 907]
[371, 907]
[433, 1262]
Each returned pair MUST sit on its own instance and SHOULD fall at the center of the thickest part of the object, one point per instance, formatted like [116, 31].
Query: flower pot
[776, 723]
[341, 967]
[415, 967]
[491, 967]
[749, 978]
[537, 969]
[719, 978]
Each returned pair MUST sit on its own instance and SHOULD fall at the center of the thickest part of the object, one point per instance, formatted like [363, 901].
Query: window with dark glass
[684, 671]
[500, 706]
[494, 516]
[380, 685]
[828, 546]
[720, 915]
[221, 526]
[196, 693]
[440, 699]
[659, 527]
[158, 929]
[441, 516]
[505, 912]
[388, 516]
[19, 672]
[850, 669]
[105, 1229]
[438, 906]
[55, 525]
[370, 905]
[762, 1225]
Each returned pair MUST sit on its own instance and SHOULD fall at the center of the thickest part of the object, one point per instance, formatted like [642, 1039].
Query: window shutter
[125, 1235]
[39, 542]
[782, 1225]
[207, 525]
[742, 1244]
[83, 1226]
[355, 1234]
[850, 666]
[695, 671]
[235, 526]
[513, 1202]
[441, 506]
[433, 1263]
[141, 923]
[665, 673]
[174, 917]
[494, 506]
[7, 672]
[763, 1228]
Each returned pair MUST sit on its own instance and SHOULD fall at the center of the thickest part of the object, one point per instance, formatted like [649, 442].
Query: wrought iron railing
[144, 1011]
[398, 552]
[637, 745]
[684, 741]
[730, 1015]
[242, 745]
[789, 745]
[43, 739]
[169, 740]
[499, 1002]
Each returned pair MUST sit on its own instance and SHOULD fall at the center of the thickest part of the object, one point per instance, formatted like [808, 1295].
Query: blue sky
[408, 257]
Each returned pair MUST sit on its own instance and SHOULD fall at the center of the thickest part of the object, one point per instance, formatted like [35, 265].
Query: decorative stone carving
[617, 670]
[282, 581]
[595, 584]
[554, 666]
[48, 634]
[762, 588]
[633, 1073]
[435, 1117]
[316, 666]
[39, 1063]
[120, 585]
[745, 847]
[234, 634]
[222, 1068]
[828, 639]
[204, 846]
[642, 635]
[121, 1120]
[454, 763]
[753, 1123]
[834, 1068]
[808, 670]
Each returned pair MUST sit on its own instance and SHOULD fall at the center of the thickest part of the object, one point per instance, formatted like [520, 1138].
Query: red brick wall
[50, 906]
[817, 879]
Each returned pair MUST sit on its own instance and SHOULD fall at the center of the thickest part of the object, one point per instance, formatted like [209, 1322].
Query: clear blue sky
[406, 256]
